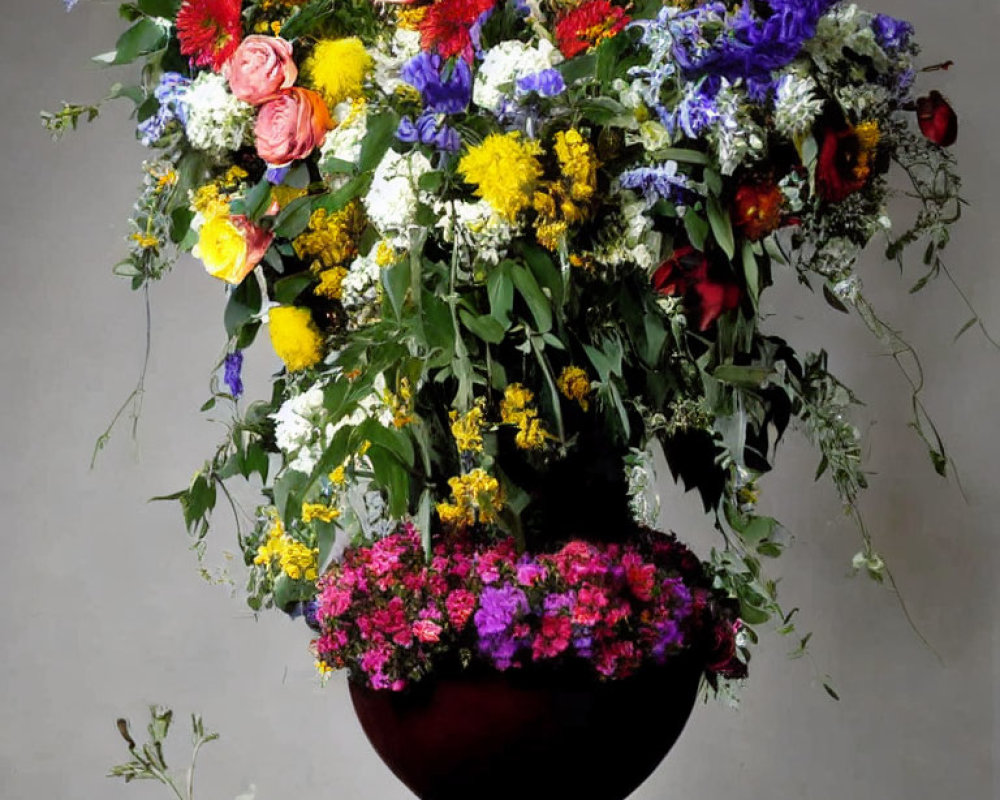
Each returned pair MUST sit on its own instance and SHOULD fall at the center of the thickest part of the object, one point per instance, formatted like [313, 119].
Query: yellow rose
[230, 247]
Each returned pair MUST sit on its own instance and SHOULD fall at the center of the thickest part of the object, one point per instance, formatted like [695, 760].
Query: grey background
[103, 609]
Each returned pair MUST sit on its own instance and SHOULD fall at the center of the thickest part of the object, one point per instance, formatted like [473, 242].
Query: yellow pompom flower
[295, 337]
[337, 68]
[223, 250]
[575, 385]
[505, 170]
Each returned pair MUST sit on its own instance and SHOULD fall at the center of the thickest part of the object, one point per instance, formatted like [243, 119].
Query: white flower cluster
[391, 201]
[507, 63]
[735, 135]
[846, 28]
[629, 238]
[389, 56]
[796, 105]
[361, 290]
[476, 226]
[343, 143]
[217, 122]
[302, 429]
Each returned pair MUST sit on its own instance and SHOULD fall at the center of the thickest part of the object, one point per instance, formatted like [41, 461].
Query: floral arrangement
[506, 250]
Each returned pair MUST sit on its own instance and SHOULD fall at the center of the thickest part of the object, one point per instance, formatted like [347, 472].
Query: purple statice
[668, 637]
[751, 46]
[499, 606]
[892, 34]
[232, 367]
[662, 182]
[430, 130]
[547, 83]
[444, 88]
[170, 94]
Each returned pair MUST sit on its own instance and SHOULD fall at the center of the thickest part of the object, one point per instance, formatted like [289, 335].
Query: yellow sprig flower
[575, 385]
[468, 429]
[324, 513]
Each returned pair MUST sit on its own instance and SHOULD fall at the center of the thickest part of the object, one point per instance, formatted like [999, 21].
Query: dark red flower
[757, 209]
[209, 31]
[447, 26]
[687, 274]
[722, 659]
[937, 119]
[587, 25]
[846, 158]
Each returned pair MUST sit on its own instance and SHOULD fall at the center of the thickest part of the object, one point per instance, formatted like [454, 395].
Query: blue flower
[170, 93]
[891, 34]
[547, 83]
[430, 131]
[441, 94]
[70, 4]
[662, 182]
[233, 367]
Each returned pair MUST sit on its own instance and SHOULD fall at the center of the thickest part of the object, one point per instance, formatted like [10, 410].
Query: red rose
[686, 273]
[845, 162]
[937, 119]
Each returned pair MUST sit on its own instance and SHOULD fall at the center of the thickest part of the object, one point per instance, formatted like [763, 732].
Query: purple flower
[554, 603]
[429, 131]
[233, 366]
[70, 4]
[657, 183]
[891, 33]
[276, 175]
[547, 83]
[498, 608]
[170, 94]
[444, 90]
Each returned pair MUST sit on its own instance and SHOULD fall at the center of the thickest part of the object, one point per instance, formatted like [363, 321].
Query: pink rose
[291, 126]
[260, 68]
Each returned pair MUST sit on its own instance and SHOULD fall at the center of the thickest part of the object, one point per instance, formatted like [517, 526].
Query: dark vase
[501, 735]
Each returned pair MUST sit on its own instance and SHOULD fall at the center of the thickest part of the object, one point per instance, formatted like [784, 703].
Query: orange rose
[260, 68]
[291, 126]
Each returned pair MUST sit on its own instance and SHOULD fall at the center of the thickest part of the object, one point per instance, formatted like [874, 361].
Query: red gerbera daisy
[447, 26]
[209, 31]
[587, 25]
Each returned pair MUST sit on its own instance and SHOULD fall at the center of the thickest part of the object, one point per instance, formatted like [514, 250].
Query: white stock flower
[217, 122]
[507, 63]
[391, 201]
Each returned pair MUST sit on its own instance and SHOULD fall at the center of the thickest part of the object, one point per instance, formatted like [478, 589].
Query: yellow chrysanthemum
[575, 385]
[577, 163]
[331, 283]
[475, 494]
[468, 429]
[505, 170]
[323, 513]
[295, 337]
[337, 68]
[331, 239]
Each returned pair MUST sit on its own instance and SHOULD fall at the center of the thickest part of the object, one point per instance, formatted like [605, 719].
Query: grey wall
[104, 611]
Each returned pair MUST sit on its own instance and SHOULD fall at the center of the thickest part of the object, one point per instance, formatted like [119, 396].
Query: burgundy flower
[687, 273]
[757, 209]
[846, 159]
[937, 119]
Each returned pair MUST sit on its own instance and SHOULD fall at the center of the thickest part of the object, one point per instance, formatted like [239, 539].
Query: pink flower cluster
[389, 615]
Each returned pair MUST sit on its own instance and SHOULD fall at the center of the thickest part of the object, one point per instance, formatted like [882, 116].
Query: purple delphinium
[233, 367]
[430, 131]
[448, 93]
[170, 94]
[547, 83]
[891, 34]
[657, 183]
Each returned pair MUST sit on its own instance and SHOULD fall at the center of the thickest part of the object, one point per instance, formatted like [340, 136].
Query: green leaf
[486, 327]
[143, 37]
[258, 200]
[601, 110]
[244, 303]
[396, 281]
[287, 290]
[379, 136]
[579, 68]
[133, 93]
[392, 440]
[430, 181]
[697, 228]
[748, 376]
[289, 489]
[965, 327]
[751, 272]
[255, 460]
[355, 187]
[833, 301]
[293, 218]
[500, 289]
[392, 475]
[722, 226]
[288, 591]
[545, 271]
[160, 8]
[529, 289]
[682, 155]
[180, 223]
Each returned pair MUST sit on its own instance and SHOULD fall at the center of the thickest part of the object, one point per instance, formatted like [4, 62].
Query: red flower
[209, 31]
[686, 273]
[937, 119]
[447, 26]
[587, 25]
[757, 209]
[845, 161]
